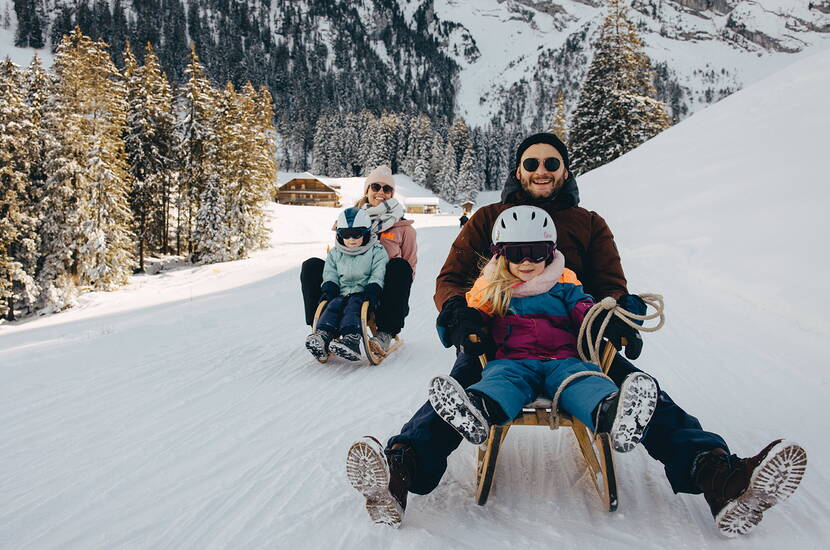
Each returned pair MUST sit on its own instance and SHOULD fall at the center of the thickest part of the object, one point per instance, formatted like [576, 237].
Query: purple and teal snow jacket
[544, 316]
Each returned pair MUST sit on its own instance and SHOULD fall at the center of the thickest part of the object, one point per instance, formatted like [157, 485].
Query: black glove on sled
[618, 329]
[372, 293]
[329, 291]
[460, 322]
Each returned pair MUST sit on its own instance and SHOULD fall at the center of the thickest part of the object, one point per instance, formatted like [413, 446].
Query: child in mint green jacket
[353, 273]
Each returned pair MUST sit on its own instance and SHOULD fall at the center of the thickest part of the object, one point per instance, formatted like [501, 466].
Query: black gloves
[618, 329]
[461, 321]
[372, 293]
[329, 291]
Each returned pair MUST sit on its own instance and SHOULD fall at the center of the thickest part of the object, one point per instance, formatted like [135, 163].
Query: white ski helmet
[524, 224]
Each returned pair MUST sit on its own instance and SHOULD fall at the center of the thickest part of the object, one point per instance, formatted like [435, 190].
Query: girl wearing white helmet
[353, 273]
[534, 306]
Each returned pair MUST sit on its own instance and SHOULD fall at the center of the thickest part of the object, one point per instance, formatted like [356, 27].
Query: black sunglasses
[519, 252]
[352, 232]
[552, 164]
[377, 187]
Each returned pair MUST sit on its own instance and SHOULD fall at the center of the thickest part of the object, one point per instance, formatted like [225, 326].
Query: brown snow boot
[382, 476]
[739, 490]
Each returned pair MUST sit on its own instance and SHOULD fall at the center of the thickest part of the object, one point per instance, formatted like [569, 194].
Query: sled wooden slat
[596, 449]
[368, 329]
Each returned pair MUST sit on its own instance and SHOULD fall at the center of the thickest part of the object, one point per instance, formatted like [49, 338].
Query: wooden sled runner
[368, 329]
[596, 449]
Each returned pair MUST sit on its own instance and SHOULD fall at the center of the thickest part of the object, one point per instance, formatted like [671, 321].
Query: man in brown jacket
[695, 461]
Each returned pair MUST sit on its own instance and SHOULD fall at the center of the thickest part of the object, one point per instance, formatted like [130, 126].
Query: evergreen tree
[197, 142]
[85, 233]
[468, 178]
[446, 184]
[616, 112]
[459, 135]
[18, 220]
[560, 125]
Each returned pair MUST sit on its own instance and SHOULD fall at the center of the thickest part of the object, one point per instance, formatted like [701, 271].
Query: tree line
[101, 167]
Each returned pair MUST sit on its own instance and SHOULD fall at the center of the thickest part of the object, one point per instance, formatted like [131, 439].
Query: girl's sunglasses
[552, 164]
[519, 252]
[352, 232]
[377, 187]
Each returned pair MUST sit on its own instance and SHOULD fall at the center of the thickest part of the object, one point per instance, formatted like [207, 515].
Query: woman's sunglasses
[377, 187]
[552, 164]
[519, 252]
[352, 233]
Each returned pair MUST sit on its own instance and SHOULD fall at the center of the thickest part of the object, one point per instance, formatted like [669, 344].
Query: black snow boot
[347, 347]
[625, 415]
[739, 490]
[318, 344]
[383, 477]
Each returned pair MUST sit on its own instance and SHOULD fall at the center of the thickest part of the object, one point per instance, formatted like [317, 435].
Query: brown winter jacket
[583, 237]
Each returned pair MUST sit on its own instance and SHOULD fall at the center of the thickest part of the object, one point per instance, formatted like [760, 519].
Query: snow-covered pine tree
[324, 144]
[211, 236]
[144, 197]
[447, 180]
[18, 219]
[163, 146]
[195, 129]
[559, 126]
[421, 141]
[105, 255]
[616, 110]
[459, 136]
[468, 178]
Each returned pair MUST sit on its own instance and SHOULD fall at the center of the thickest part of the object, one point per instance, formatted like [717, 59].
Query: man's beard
[527, 184]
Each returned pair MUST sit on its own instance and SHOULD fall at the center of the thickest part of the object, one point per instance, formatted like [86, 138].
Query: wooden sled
[368, 329]
[596, 449]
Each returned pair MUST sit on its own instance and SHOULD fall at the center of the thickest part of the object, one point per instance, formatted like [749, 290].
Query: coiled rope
[593, 344]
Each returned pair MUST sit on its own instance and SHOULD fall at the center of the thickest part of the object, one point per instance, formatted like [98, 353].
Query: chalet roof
[421, 201]
[309, 176]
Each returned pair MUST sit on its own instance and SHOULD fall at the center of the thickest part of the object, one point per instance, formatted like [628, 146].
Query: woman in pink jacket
[400, 241]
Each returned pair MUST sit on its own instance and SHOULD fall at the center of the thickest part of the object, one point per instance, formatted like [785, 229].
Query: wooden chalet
[421, 205]
[306, 190]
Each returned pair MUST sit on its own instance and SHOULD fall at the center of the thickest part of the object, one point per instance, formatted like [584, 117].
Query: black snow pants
[394, 301]
[673, 437]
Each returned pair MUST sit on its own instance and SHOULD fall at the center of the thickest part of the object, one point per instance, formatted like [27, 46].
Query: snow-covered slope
[198, 420]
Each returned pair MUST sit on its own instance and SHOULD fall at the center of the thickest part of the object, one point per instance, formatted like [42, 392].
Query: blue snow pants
[342, 315]
[513, 384]
[674, 437]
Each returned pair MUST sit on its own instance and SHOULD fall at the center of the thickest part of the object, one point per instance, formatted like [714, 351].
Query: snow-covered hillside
[184, 411]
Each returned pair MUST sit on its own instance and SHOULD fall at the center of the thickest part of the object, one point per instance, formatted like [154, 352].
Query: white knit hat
[382, 175]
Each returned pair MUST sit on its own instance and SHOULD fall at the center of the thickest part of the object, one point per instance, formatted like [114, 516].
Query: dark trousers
[674, 437]
[394, 301]
[342, 315]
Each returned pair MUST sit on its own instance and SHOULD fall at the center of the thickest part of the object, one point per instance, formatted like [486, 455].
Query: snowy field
[184, 412]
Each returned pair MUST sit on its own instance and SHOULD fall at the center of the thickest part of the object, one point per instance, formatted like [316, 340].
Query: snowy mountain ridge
[512, 56]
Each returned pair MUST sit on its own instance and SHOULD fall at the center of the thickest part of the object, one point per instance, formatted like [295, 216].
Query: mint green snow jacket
[353, 272]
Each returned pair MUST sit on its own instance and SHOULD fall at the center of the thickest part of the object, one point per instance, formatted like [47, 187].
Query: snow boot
[381, 343]
[462, 410]
[347, 347]
[383, 477]
[625, 415]
[318, 344]
[739, 490]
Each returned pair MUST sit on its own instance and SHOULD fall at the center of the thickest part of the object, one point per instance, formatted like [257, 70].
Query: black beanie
[543, 137]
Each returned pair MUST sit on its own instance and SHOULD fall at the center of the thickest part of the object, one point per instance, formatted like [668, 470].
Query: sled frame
[368, 329]
[595, 448]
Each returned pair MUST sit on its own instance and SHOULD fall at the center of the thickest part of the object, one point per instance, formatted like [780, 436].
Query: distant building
[306, 190]
[467, 206]
[421, 205]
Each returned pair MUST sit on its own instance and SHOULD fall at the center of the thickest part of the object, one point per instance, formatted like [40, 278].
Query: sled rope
[554, 406]
[610, 306]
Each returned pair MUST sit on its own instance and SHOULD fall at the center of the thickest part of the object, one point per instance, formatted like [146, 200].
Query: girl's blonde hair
[499, 289]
